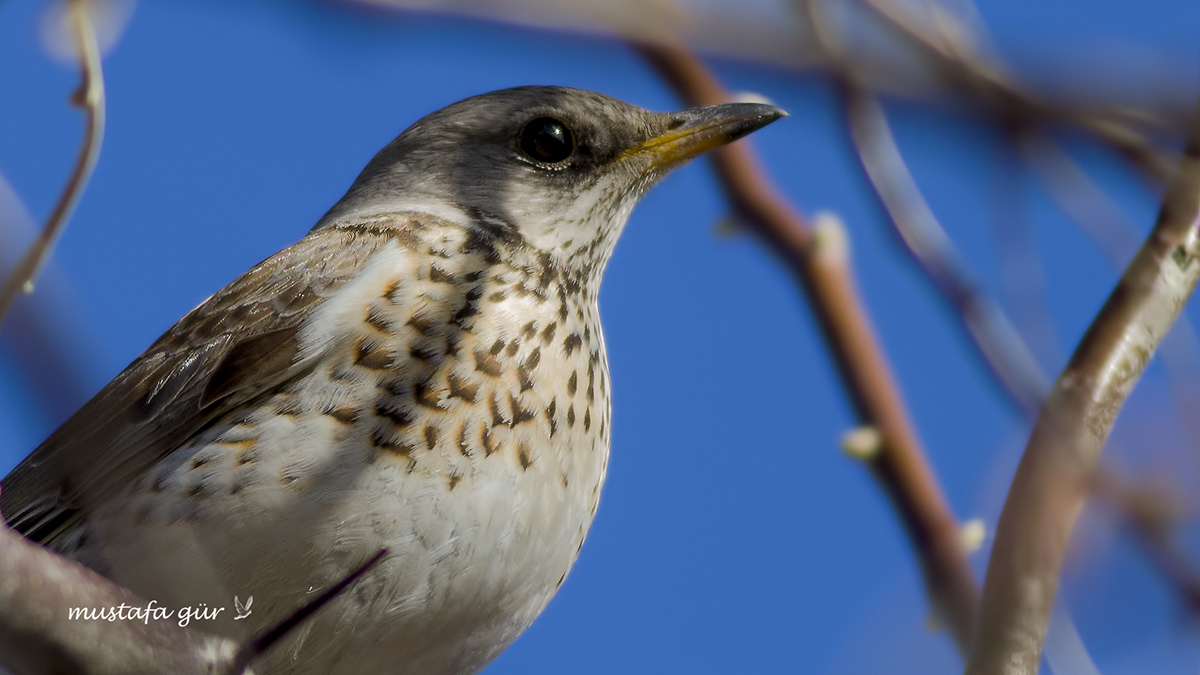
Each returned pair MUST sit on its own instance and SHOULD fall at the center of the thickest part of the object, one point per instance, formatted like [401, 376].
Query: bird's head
[562, 168]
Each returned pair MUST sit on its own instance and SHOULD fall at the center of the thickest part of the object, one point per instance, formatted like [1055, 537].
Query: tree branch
[89, 96]
[1052, 480]
[825, 276]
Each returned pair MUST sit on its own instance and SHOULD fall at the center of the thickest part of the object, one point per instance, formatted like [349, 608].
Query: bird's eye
[547, 140]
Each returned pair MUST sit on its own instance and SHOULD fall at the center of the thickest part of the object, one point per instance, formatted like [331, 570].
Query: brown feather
[239, 341]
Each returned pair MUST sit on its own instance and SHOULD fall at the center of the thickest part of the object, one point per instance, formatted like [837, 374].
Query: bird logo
[243, 611]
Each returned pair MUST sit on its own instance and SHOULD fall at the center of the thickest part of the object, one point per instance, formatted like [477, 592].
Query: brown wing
[238, 342]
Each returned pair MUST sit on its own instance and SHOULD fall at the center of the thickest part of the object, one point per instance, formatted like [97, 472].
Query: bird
[423, 372]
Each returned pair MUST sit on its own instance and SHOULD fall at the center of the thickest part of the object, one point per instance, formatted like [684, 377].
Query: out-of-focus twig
[991, 332]
[1052, 480]
[1022, 275]
[1080, 198]
[988, 83]
[50, 360]
[824, 274]
[1151, 509]
[89, 96]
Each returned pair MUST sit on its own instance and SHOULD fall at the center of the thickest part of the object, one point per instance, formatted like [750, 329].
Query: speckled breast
[455, 411]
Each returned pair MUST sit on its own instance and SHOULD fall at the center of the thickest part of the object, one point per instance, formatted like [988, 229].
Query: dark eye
[547, 140]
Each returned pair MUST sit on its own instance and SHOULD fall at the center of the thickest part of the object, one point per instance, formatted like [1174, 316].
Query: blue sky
[733, 535]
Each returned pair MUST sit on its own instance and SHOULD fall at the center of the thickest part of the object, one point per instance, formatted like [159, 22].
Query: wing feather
[234, 345]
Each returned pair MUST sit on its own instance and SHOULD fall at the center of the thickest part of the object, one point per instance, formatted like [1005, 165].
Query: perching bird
[423, 372]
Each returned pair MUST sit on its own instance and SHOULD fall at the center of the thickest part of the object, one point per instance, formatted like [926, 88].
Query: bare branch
[89, 96]
[1052, 480]
[987, 82]
[998, 342]
[824, 273]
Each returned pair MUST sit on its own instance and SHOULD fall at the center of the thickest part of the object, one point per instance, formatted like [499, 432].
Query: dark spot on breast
[200, 461]
[369, 354]
[452, 481]
[378, 320]
[395, 415]
[421, 323]
[523, 455]
[513, 347]
[469, 308]
[571, 415]
[498, 419]
[486, 440]
[464, 446]
[388, 443]
[591, 388]
[486, 363]
[462, 389]
[587, 419]
[392, 290]
[525, 378]
[426, 351]
[573, 383]
[565, 482]
[548, 332]
[534, 358]
[346, 414]
[550, 410]
[499, 295]
[196, 491]
[529, 331]
[562, 304]
[440, 276]
[426, 395]
[497, 347]
[431, 435]
[519, 414]
[572, 343]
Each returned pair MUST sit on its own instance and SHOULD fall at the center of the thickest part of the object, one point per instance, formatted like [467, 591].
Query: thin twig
[825, 275]
[990, 329]
[89, 96]
[1022, 275]
[987, 82]
[1052, 480]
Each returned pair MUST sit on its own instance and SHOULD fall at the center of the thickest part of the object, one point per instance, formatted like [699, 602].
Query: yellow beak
[700, 129]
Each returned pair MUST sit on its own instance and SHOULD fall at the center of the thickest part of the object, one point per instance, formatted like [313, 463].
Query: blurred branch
[822, 268]
[1022, 275]
[1052, 480]
[987, 83]
[993, 334]
[89, 96]
[46, 338]
[1080, 198]
[1151, 510]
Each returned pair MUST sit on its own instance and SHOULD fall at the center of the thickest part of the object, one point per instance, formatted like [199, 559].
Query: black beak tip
[750, 117]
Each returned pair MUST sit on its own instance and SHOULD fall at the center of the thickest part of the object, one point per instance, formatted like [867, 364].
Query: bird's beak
[699, 129]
